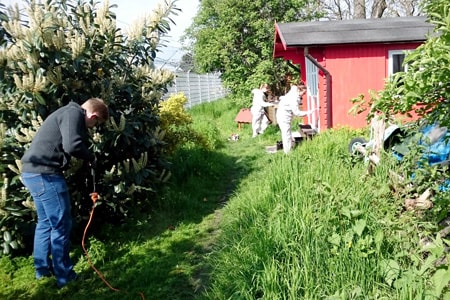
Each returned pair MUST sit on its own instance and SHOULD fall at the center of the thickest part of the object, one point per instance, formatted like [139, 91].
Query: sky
[128, 11]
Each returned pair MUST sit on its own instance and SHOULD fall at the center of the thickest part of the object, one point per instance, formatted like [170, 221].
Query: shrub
[64, 51]
[176, 123]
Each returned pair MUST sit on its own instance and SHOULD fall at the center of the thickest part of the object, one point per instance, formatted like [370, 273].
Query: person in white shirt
[259, 118]
[288, 107]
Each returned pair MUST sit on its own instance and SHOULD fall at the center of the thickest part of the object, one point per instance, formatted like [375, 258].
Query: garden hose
[94, 197]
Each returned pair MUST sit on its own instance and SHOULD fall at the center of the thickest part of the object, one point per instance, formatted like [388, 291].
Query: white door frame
[312, 94]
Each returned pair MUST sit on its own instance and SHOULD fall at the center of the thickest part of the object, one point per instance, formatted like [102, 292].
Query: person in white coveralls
[259, 118]
[288, 107]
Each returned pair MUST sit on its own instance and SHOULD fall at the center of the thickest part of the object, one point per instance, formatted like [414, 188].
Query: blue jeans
[51, 240]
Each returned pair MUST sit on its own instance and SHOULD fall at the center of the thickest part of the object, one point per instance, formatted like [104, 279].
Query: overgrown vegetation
[240, 223]
[161, 253]
[54, 52]
[422, 91]
[235, 222]
[312, 225]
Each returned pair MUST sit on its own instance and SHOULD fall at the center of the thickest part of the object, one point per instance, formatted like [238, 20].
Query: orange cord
[94, 198]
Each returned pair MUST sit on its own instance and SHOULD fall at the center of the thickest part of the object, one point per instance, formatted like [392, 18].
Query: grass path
[245, 157]
[163, 254]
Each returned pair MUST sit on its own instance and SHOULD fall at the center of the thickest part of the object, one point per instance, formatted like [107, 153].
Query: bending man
[62, 135]
[287, 109]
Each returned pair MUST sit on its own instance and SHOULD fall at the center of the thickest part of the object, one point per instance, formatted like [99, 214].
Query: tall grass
[314, 225]
[235, 222]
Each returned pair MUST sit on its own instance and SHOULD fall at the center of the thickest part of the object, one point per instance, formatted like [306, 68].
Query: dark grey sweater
[62, 135]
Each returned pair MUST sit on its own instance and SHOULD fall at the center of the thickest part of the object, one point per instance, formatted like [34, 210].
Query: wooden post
[372, 157]
[378, 127]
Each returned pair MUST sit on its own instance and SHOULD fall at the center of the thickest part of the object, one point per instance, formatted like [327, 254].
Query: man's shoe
[42, 276]
[43, 273]
[72, 277]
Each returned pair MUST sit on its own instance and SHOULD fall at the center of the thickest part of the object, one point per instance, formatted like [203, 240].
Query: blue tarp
[435, 146]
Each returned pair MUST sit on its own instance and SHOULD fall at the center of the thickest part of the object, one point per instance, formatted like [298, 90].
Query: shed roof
[385, 30]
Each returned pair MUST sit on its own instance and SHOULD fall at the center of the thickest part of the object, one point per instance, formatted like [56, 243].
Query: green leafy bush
[176, 123]
[63, 51]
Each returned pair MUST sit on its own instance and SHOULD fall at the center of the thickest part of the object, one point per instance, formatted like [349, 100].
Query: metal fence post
[207, 84]
[189, 88]
[199, 87]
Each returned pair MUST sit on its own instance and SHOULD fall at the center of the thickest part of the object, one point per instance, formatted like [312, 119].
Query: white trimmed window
[395, 62]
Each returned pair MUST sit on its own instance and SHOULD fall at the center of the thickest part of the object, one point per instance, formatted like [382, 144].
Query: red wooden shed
[340, 60]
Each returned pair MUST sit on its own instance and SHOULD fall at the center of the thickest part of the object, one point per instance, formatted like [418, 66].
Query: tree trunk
[360, 9]
[378, 8]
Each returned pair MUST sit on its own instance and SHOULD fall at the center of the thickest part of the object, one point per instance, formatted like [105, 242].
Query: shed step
[309, 131]
[306, 130]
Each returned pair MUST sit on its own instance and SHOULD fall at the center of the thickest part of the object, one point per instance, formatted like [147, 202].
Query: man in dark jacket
[62, 135]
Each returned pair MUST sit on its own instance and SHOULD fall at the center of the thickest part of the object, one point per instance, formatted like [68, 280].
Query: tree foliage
[61, 51]
[187, 63]
[236, 38]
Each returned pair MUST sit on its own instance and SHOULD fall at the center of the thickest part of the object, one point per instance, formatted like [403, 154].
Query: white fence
[198, 88]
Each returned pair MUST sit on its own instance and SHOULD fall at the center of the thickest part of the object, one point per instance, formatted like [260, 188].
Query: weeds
[240, 223]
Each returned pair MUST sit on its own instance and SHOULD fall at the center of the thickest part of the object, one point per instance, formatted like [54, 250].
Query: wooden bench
[244, 116]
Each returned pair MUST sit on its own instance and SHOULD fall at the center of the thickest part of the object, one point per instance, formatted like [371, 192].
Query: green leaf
[14, 245]
[390, 270]
[440, 280]
[359, 226]
[6, 249]
[446, 296]
[17, 213]
[379, 236]
[39, 98]
[334, 239]
[7, 236]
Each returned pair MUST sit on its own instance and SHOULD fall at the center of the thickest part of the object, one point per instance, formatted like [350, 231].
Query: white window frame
[391, 54]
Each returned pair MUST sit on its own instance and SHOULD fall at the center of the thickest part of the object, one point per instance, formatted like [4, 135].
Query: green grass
[277, 230]
[240, 223]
